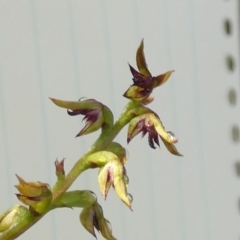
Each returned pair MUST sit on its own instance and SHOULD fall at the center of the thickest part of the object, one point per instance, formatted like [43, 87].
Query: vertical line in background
[156, 229]
[40, 82]
[42, 95]
[4, 135]
[136, 22]
[108, 52]
[238, 13]
[76, 66]
[75, 55]
[171, 88]
[198, 113]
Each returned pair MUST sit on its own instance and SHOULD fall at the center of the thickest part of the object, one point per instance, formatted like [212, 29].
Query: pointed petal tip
[52, 99]
[104, 196]
[20, 179]
[176, 153]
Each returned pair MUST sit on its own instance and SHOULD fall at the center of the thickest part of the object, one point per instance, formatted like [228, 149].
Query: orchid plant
[108, 156]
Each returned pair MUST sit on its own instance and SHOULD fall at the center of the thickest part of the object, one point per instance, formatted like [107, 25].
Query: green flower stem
[62, 185]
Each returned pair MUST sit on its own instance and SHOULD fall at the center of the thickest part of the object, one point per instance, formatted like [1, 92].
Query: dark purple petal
[74, 112]
[144, 131]
[91, 116]
[152, 137]
[151, 143]
[156, 140]
[140, 80]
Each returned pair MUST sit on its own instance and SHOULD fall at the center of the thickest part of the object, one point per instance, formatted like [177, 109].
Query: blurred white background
[72, 49]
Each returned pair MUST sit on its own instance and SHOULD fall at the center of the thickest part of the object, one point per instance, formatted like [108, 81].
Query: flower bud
[60, 167]
[7, 218]
[60, 172]
[38, 195]
[11, 216]
[88, 220]
[114, 174]
[95, 113]
[105, 178]
[92, 217]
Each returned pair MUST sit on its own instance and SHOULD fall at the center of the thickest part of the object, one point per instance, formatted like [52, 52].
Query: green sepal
[77, 198]
[99, 159]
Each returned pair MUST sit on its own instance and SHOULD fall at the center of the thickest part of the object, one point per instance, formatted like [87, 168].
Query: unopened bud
[11, 216]
[114, 174]
[60, 172]
[38, 195]
[93, 218]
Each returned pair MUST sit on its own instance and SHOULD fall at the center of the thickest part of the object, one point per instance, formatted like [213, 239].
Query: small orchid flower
[150, 123]
[92, 218]
[143, 81]
[114, 174]
[96, 114]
